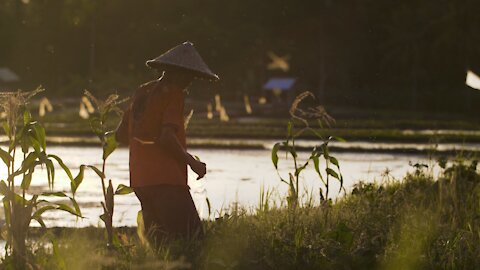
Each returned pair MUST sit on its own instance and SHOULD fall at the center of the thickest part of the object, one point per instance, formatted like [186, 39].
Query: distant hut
[280, 90]
[7, 77]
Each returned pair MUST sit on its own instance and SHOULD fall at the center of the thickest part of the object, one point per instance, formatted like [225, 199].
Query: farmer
[153, 128]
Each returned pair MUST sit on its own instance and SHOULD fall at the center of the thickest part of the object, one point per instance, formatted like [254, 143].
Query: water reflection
[232, 176]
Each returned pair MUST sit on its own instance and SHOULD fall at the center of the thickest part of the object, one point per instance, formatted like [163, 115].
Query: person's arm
[172, 120]
[169, 141]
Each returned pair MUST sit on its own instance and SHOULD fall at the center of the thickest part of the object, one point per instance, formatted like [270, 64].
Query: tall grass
[418, 222]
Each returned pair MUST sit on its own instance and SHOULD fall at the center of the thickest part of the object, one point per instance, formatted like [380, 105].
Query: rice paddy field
[423, 220]
[400, 195]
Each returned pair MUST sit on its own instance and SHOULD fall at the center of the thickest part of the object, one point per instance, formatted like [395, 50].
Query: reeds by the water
[419, 222]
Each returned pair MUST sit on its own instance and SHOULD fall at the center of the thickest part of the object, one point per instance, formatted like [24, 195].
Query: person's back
[154, 106]
[153, 127]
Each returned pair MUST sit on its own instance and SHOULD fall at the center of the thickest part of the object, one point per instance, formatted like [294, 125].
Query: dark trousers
[168, 212]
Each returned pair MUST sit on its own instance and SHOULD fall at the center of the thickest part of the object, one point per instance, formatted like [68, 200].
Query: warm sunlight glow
[44, 106]
[248, 107]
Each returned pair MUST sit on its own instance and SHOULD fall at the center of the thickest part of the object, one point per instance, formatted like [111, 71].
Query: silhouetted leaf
[275, 149]
[110, 145]
[5, 156]
[27, 117]
[316, 165]
[55, 194]
[27, 180]
[78, 179]
[50, 172]
[4, 190]
[42, 210]
[300, 169]
[64, 167]
[6, 128]
[334, 161]
[68, 209]
[333, 173]
[97, 171]
[41, 135]
[123, 189]
[40, 221]
[76, 206]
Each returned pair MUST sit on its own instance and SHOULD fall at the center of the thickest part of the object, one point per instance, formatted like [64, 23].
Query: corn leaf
[333, 173]
[5, 156]
[40, 221]
[334, 161]
[78, 179]
[42, 210]
[68, 209]
[41, 135]
[76, 206]
[97, 171]
[110, 145]
[62, 164]
[54, 194]
[123, 190]
[4, 190]
[275, 149]
[27, 180]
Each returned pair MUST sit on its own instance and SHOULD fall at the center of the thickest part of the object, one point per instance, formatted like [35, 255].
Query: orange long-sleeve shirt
[149, 163]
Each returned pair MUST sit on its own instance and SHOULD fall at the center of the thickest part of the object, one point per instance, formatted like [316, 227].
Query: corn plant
[318, 154]
[99, 125]
[20, 207]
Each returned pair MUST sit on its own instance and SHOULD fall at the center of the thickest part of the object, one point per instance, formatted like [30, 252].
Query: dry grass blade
[92, 98]
[187, 119]
[11, 102]
[110, 103]
[312, 113]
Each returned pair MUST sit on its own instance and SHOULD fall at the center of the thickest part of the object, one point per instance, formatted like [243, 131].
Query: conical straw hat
[184, 56]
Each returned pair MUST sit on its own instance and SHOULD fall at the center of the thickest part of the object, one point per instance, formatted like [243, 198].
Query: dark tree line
[389, 54]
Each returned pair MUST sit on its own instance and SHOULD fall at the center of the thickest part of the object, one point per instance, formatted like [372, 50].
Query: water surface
[232, 176]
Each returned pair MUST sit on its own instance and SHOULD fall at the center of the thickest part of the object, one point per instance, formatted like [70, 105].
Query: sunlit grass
[418, 222]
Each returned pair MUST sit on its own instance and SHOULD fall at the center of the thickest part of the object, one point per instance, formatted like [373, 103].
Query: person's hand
[199, 168]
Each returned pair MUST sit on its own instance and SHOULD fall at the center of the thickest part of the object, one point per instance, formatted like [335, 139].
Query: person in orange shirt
[153, 128]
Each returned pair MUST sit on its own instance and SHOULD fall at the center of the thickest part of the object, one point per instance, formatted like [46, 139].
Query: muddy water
[232, 176]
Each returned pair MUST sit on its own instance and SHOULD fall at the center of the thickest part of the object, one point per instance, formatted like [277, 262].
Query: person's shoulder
[175, 93]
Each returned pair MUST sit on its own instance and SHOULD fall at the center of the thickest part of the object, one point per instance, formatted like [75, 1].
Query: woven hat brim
[198, 73]
[184, 56]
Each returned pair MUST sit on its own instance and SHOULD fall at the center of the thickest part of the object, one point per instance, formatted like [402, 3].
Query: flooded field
[234, 176]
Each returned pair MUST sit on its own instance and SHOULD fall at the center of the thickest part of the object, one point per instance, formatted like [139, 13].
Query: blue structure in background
[280, 89]
[280, 83]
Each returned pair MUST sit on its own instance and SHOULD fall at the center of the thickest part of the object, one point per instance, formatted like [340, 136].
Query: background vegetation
[375, 54]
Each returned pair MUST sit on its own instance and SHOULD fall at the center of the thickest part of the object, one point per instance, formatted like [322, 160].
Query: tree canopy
[373, 53]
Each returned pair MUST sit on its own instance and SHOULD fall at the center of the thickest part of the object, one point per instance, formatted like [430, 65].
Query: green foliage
[99, 126]
[30, 137]
[319, 115]
[420, 222]
[379, 55]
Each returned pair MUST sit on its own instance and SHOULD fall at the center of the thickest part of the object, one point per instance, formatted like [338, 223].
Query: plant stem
[13, 169]
[296, 169]
[328, 179]
[23, 190]
[103, 182]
